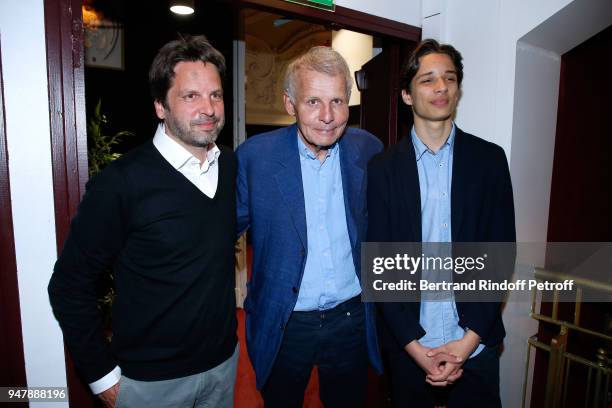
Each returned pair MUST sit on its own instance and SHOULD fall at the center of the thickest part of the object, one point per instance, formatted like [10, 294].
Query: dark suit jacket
[482, 210]
[271, 202]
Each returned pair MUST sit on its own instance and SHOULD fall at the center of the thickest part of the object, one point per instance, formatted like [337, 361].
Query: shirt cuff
[106, 382]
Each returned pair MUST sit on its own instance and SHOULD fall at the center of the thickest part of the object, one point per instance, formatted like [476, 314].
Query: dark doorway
[581, 196]
[383, 113]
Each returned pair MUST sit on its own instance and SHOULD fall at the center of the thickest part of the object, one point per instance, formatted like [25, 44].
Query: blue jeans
[335, 341]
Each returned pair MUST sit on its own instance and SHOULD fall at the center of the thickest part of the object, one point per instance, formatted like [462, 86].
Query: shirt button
[445, 225]
[294, 289]
[302, 252]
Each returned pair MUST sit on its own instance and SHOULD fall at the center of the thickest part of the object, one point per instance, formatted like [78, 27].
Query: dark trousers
[477, 387]
[335, 341]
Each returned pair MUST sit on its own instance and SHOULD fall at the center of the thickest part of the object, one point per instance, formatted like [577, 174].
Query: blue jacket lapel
[352, 184]
[289, 180]
[408, 175]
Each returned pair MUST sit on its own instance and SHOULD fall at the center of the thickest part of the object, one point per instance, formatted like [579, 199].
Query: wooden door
[383, 113]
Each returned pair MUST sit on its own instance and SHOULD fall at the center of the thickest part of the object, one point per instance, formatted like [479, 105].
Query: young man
[163, 218]
[440, 184]
[301, 189]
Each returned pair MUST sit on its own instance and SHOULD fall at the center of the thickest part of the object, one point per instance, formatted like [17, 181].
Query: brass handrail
[560, 359]
[544, 274]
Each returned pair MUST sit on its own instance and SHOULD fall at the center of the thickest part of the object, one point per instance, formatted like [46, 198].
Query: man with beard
[301, 190]
[163, 218]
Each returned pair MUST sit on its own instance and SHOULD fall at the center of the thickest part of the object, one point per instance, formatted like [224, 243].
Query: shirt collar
[308, 154]
[176, 154]
[420, 148]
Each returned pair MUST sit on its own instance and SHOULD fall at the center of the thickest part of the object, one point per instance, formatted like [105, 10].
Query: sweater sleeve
[96, 237]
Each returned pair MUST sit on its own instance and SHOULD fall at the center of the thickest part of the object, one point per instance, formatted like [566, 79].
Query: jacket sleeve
[482, 317]
[401, 319]
[96, 237]
[242, 192]
[503, 228]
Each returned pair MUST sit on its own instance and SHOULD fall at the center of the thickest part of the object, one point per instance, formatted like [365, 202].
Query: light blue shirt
[439, 319]
[329, 276]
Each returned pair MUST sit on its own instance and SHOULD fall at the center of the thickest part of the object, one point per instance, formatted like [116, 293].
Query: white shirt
[205, 176]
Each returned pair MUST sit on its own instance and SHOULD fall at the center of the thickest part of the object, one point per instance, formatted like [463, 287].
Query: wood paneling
[63, 27]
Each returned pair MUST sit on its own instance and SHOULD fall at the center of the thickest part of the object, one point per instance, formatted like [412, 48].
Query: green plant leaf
[100, 151]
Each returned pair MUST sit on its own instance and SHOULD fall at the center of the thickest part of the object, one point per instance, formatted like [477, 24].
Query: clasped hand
[443, 365]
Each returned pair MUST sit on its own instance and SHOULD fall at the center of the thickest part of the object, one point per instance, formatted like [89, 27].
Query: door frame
[67, 120]
[341, 18]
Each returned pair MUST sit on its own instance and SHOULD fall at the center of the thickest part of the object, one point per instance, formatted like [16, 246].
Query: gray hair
[321, 59]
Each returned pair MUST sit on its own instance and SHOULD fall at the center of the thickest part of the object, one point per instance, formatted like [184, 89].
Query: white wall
[356, 48]
[535, 118]
[486, 32]
[29, 151]
[535, 122]
[404, 11]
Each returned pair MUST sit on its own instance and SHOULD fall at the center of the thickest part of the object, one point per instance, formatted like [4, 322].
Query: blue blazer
[270, 200]
[482, 210]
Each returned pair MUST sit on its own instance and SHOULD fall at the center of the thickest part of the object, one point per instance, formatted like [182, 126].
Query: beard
[193, 137]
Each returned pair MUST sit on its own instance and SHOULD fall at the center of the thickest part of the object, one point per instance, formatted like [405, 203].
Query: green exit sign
[320, 4]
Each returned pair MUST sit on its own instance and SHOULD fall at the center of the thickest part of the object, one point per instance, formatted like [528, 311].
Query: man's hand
[436, 366]
[462, 348]
[109, 397]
